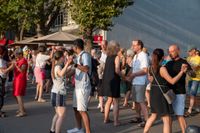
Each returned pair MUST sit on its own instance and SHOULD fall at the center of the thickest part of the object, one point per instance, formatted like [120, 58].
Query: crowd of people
[143, 80]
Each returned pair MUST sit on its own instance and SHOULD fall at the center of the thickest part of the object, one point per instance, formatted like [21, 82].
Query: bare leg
[53, 125]
[37, 91]
[48, 85]
[107, 109]
[20, 104]
[126, 98]
[116, 111]
[86, 120]
[150, 122]
[182, 123]
[144, 110]
[147, 94]
[61, 114]
[101, 103]
[138, 109]
[40, 99]
[192, 102]
[166, 124]
[78, 118]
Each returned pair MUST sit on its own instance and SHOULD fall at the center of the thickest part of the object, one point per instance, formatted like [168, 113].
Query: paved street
[40, 115]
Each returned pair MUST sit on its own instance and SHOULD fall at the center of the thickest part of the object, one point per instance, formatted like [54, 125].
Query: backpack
[94, 78]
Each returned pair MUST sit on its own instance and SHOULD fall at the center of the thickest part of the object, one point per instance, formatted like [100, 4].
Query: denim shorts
[193, 86]
[138, 92]
[179, 104]
[58, 100]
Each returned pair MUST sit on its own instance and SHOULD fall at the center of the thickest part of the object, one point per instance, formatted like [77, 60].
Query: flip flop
[107, 121]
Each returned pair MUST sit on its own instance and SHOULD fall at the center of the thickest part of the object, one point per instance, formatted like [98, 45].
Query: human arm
[117, 66]
[164, 73]
[62, 72]
[85, 64]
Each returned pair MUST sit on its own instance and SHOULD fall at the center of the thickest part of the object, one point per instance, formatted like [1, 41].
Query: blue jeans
[193, 86]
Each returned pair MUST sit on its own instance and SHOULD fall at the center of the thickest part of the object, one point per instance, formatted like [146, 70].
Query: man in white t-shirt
[82, 87]
[139, 78]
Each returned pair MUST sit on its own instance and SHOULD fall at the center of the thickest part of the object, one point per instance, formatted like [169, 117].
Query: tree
[92, 15]
[46, 13]
[21, 15]
[15, 16]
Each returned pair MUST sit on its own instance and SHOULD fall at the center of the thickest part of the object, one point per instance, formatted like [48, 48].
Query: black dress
[158, 102]
[111, 80]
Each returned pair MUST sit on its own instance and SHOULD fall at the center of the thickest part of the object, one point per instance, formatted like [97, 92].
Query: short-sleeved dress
[19, 83]
[158, 102]
[111, 80]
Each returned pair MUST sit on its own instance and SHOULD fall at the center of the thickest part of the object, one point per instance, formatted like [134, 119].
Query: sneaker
[142, 124]
[99, 106]
[75, 130]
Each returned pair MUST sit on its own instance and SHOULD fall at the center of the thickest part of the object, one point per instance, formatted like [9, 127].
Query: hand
[150, 78]
[128, 78]
[70, 60]
[3, 71]
[184, 68]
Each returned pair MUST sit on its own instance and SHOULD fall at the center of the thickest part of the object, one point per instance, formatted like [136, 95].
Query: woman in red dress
[20, 79]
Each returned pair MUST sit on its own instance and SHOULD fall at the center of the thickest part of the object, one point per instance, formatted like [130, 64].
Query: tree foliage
[20, 15]
[97, 14]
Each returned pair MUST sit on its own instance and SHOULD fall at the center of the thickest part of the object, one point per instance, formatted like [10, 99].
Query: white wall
[159, 23]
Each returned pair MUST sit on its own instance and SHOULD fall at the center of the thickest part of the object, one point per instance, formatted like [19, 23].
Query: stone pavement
[39, 117]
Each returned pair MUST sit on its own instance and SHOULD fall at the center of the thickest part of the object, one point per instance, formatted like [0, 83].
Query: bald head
[174, 51]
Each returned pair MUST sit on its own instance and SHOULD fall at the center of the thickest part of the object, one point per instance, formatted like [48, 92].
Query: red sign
[3, 41]
[97, 38]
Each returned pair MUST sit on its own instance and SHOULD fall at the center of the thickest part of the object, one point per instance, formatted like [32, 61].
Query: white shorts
[148, 88]
[80, 99]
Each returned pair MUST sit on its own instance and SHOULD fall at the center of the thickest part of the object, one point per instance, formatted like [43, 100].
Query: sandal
[187, 114]
[126, 105]
[41, 100]
[21, 114]
[136, 120]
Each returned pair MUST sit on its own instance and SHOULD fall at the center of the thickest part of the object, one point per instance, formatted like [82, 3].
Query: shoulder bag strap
[156, 80]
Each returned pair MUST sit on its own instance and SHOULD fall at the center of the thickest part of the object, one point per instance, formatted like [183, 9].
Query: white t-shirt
[3, 65]
[140, 61]
[58, 82]
[41, 60]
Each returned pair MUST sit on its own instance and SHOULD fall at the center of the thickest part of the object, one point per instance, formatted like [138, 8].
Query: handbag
[169, 95]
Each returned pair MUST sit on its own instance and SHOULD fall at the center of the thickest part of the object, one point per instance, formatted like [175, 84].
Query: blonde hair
[113, 48]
